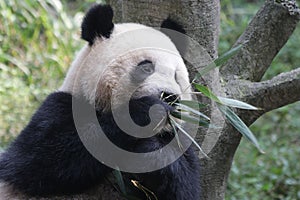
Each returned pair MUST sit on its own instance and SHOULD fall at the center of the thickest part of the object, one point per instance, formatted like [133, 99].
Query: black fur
[172, 29]
[97, 22]
[48, 157]
[172, 25]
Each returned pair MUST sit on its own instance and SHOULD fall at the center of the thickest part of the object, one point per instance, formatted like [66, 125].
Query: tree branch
[265, 36]
[268, 95]
[277, 92]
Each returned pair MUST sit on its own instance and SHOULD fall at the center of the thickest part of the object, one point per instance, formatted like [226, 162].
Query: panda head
[124, 60]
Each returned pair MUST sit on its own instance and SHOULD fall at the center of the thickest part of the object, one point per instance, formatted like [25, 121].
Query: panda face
[132, 61]
[143, 72]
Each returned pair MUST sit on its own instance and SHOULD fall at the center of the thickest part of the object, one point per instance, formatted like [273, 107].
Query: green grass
[39, 40]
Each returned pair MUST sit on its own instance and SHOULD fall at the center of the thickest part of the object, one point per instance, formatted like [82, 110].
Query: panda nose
[169, 98]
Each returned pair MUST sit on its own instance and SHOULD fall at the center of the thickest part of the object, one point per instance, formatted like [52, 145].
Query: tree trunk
[265, 36]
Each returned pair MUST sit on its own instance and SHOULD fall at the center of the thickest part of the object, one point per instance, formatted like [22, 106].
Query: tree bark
[267, 33]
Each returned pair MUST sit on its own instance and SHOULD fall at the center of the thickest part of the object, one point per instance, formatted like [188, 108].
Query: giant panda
[49, 157]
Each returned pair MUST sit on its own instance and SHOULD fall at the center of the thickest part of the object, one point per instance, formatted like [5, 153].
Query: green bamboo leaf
[207, 92]
[120, 181]
[192, 104]
[219, 61]
[189, 109]
[176, 134]
[229, 54]
[191, 119]
[237, 104]
[239, 125]
[188, 135]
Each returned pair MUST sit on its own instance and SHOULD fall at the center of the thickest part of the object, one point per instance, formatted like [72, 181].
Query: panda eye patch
[142, 71]
[144, 62]
[146, 66]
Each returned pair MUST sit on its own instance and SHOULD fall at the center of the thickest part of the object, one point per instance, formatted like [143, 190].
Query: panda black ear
[176, 33]
[97, 22]
[172, 25]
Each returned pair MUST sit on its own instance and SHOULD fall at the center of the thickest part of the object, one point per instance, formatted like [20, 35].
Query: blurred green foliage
[38, 42]
[274, 175]
[39, 39]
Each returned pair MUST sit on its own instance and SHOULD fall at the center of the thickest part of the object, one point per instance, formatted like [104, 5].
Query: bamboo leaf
[219, 61]
[207, 92]
[176, 134]
[239, 125]
[236, 103]
[188, 135]
[120, 181]
[190, 119]
[192, 104]
[189, 109]
[146, 191]
[229, 54]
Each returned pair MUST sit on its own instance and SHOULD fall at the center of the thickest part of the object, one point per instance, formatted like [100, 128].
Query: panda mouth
[169, 98]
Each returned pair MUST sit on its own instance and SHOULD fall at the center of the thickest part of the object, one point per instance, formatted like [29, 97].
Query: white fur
[101, 69]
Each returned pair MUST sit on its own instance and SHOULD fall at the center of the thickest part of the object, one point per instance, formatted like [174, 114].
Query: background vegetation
[39, 40]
